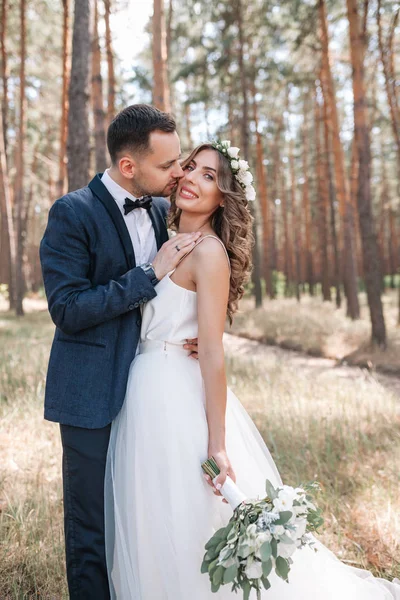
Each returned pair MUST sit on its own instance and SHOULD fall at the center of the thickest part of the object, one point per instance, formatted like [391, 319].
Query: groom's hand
[172, 252]
[192, 345]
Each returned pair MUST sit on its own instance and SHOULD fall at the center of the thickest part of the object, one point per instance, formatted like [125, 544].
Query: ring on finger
[177, 248]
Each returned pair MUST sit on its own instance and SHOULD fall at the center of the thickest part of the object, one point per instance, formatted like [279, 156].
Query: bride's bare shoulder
[210, 252]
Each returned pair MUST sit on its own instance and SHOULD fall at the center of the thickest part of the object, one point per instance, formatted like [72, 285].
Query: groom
[104, 249]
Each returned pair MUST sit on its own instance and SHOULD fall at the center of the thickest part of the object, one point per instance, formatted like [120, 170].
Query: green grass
[345, 433]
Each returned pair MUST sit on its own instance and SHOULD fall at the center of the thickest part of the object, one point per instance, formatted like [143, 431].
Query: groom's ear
[127, 166]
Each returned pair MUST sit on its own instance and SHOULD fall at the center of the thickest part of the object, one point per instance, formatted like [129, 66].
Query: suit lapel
[159, 225]
[101, 192]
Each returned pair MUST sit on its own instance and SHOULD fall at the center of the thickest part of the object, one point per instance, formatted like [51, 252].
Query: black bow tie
[129, 205]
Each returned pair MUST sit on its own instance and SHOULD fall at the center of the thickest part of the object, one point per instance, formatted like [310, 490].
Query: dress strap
[199, 242]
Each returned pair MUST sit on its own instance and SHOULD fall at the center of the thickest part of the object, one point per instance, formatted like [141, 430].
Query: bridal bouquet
[262, 535]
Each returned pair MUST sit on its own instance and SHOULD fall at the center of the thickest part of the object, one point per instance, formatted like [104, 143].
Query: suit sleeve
[74, 303]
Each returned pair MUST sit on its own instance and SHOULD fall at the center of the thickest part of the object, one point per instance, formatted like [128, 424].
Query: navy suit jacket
[94, 292]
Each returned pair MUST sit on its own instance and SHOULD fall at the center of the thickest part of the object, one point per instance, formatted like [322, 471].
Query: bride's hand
[224, 464]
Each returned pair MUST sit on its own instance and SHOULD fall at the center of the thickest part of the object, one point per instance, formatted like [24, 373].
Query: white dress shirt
[138, 222]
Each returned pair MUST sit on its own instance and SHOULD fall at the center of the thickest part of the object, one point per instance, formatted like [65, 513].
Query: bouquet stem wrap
[230, 491]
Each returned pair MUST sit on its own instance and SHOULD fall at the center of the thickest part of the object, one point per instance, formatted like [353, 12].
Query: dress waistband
[162, 346]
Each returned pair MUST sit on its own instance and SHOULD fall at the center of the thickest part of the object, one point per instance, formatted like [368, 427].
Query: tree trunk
[296, 225]
[276, 193]
[382, 234]
[386, 53]
[368, 237]
[78, 124]
[308, 261]
[20, 168]
[256, 274]
[285, 238]
[110, 64]
[264, 200]
[188, 126]
[4, 68]
[66, 67]
[353, 199]
[341, 184]
[4, 241]
[97, 99]
[322, 204]
[393, 249]
[332, 210]
[161, 97]
[8, 250]
[168, 41]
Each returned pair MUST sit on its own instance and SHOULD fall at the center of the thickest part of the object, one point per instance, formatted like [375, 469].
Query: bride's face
[198, 191]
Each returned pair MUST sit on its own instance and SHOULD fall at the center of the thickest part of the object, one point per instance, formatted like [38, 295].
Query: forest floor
[319, 329]
[337, 424]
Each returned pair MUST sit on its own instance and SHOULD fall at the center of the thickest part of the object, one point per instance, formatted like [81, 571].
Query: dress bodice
[171, 316]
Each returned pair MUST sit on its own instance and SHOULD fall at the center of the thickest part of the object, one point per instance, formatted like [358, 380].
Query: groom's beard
[140, 187]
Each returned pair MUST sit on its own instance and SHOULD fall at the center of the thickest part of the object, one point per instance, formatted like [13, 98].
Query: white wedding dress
[159, 511]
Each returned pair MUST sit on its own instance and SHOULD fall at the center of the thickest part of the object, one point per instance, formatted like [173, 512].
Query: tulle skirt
[160, 512]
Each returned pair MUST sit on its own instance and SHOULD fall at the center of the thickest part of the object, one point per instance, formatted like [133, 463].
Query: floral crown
[240, 168]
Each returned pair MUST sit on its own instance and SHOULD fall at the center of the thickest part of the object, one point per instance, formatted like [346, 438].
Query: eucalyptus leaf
[246, 589]
[285, 539]
[215, 588]
[269, 488]
[218, 575]
[284, 517]
[204, 566]
[230, 574]
[265, 583]
[265, 551]
[220, 534]
[212, 566]
[274, 546]
[267, 567]
[212, 542]
[282, 568]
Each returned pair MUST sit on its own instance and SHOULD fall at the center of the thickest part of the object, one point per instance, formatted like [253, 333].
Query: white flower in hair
[240, 168]
[233, 151]
[250, 193]
[245, 177]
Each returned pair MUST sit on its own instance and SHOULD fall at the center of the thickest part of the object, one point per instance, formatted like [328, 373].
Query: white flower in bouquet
[278, 530]
[233, 151]
[282, 502]
[287, 550]
[235, 165]
[243, 164]
[261, 536]
[253, 569]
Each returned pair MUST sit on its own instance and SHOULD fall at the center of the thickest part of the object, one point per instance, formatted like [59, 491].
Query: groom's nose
[177, 172]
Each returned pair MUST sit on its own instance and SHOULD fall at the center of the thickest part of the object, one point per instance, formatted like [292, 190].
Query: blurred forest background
[309, 90]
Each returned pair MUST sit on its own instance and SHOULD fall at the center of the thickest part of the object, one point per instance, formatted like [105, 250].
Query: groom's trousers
[84, 461]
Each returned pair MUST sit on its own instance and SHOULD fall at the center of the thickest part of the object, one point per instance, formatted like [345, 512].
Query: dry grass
[345, 433]
[319, 329]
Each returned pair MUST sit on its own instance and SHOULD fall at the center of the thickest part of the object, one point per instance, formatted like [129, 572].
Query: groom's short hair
[131, 128]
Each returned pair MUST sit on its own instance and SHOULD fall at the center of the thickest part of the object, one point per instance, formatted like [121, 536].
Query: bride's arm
[211, 276]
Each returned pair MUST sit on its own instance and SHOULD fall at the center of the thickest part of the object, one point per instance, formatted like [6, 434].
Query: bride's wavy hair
[232, 223]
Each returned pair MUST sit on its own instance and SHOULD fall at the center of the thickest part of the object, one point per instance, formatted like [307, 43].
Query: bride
[159, 509]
